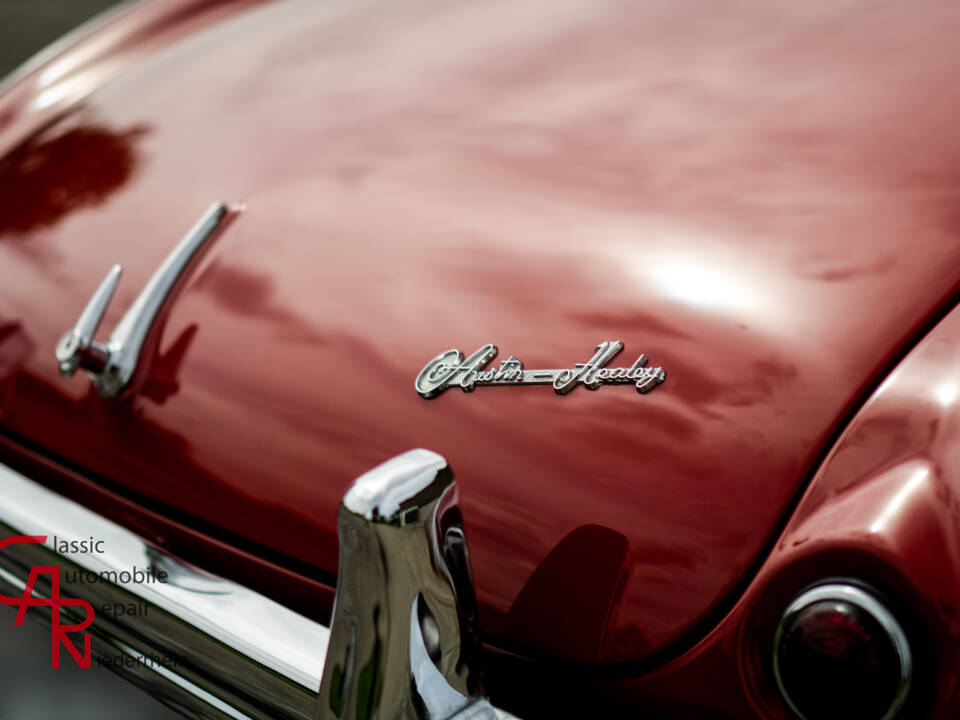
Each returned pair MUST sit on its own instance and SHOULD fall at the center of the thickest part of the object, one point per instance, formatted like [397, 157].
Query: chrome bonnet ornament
[112, 365]
[451, 369]
[402, 638]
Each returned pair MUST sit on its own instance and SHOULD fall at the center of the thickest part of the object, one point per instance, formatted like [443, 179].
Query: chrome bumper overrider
[402, 642]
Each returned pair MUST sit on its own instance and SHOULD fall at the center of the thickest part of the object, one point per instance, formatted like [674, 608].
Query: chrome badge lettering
[451, 369]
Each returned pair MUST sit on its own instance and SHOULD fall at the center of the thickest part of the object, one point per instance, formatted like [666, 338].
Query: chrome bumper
[402, 642]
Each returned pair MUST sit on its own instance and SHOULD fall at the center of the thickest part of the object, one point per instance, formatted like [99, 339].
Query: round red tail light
[839, 653]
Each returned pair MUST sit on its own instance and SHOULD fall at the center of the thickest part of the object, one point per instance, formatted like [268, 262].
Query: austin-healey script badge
[451, 369]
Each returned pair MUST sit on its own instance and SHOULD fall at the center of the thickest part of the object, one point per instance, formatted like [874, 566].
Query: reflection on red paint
[48, 177]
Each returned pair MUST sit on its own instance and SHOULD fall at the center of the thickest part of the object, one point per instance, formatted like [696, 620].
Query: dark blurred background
[27, 26]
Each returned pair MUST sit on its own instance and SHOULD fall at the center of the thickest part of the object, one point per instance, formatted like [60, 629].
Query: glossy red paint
[741, 198]
[883, 509]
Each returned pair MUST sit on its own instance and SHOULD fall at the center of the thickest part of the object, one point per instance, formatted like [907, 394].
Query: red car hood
[767, 209]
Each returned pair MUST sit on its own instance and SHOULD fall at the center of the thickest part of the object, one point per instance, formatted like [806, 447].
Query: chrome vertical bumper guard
[403, 638]
[402, 643]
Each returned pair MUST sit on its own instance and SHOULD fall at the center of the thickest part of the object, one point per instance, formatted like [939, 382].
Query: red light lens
[837, 660]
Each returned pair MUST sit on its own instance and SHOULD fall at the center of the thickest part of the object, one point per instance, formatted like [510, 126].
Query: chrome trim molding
[843, 592]
[112, 365]
[238, 653]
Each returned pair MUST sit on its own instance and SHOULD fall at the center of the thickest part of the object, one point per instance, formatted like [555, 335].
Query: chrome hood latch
[113, 364]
